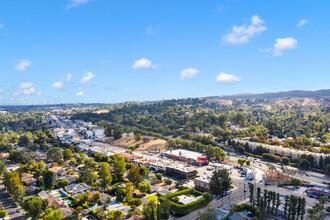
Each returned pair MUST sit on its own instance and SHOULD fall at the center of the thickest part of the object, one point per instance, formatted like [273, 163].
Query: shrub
[180, 209]
[244, 207]
[3, 213]
[159, 176]
[136, 202]
[168, 181]
[295, 182]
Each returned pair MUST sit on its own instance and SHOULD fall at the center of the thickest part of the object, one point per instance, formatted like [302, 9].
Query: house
[202, 183]
[89, 134]
[84, 212]
[105, 199]
[61, 172]
[28, 179]
[66, 211]
[56, 201]
[99, 133]
[43, 195]
[239, 216]
[74, 189]
[221, 213]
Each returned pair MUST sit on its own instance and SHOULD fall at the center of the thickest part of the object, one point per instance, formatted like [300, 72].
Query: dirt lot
[277, 177]
[151, 144]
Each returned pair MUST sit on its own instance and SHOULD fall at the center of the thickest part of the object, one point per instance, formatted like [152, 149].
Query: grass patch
[153, 198]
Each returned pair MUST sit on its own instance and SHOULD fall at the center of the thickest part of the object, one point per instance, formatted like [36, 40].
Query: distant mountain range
[227, 99]
[278, 95]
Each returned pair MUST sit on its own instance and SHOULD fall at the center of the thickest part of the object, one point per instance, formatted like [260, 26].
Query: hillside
[278, 95]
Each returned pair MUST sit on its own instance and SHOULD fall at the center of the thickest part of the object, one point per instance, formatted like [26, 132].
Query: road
[13, 211]
[237, 195]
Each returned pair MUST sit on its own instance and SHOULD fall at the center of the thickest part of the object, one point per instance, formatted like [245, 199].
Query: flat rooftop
[182, 168]
[185, 153]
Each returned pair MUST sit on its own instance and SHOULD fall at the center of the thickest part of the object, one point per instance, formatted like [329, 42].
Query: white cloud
[143, 63]
[187, 73]
[265, 50]
[87, 77]
[226, 78]
[57, 85]
[69, 77]
[302, 22]
[2, 25]
[76, 3]
[242, 34]
[2, 91]
[80, 93]
[39, 93]
[22, 65]
[284, 44]
[27, 88]
[152, 30]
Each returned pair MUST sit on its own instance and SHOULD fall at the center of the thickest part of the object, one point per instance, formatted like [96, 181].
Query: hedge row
[180, 209]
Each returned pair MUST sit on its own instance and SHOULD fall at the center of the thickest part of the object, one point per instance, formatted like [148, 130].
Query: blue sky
[73, 51]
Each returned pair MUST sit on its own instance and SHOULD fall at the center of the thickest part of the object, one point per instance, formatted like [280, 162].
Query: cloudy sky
[69, 51]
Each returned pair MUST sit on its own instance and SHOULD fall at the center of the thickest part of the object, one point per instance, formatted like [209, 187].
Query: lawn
[153, 198]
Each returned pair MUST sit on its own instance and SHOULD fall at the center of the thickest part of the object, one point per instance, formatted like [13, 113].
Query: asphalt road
[237, 196]
[13, 211]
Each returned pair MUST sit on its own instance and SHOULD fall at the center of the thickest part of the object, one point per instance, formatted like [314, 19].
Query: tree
[114, 215]
[145, 187]
[208, 214]
[219, 154]
[258, 196]
[13, 183]
[138, 137]
[62, 183]
[149, 211]
[55, 154]
[159, 176]
[49, 179]
[33, 205]
[304, 164]
[134, 175]
[241, 161]
[119, 165]
[105, 175]
[117, 133]
[251, 197]
[168, 181]
[327, 169]
[67, 154]
[2, 168]
[89, 176]
[144, 171]
[51, 214]
[247, 162]
[220, 182]
[285, 160]
[295, 182]
[129, 190]
[96, 197]
[164, 209]
[303, 208]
